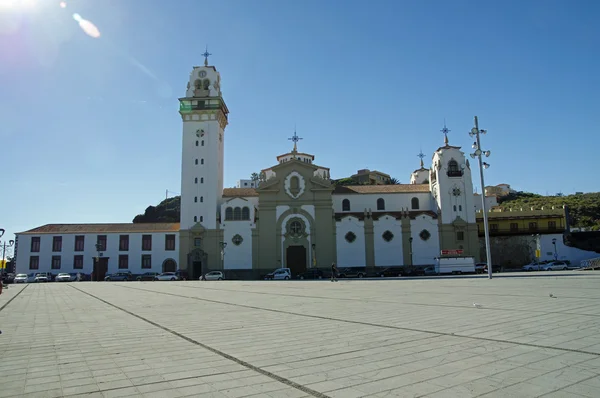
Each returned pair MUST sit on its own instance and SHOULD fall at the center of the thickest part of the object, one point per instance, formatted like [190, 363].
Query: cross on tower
[421, 156]
[206, 55]
[445, 130]
[295, 140]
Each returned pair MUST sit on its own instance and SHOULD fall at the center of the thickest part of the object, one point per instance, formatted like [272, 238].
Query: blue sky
[90, 130]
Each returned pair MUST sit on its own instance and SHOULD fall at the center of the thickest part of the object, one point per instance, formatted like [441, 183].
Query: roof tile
[103, 228]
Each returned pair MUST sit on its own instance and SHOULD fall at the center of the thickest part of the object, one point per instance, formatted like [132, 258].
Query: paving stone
[356, 338]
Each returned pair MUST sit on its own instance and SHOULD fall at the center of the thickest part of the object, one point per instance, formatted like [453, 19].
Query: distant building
[491, 201]
[247, 184]
[499, 190]
[368, 177]
[522, 221]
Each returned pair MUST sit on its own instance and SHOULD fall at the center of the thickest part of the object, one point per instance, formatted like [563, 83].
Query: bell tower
[452, 188]
[204, 115]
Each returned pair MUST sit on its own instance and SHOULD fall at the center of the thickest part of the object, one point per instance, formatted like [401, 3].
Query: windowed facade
[146, 242]
[514, 227]
[237, 213]
[79, 243]
[55, 262]
[146, 261]
[123, 261]
[380, 204]
[124, 243]
[56, 243]
[35, 244]
[170, 242]
[78, 261]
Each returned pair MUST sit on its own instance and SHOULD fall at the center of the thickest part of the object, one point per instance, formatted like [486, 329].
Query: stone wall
[510, 251]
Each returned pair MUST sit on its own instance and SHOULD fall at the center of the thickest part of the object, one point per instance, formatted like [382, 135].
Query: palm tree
[254, 177]
[393, 181]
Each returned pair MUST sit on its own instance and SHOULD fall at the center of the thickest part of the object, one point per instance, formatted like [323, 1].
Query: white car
[280, 274]
[555, 266]
[21, 278]
[213, 276]
[166, 276]
[64, 277]
[41, 277]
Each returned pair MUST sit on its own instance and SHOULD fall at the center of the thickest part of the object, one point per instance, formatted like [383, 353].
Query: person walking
[333, 272]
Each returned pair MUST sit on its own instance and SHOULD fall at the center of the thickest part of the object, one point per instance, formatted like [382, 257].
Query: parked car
[352, 272]
[480, 267]
[313, 273]
[279, 274]
[21, 278]
[389, 272]
[64, 277]
[412, 271]
[213, 276]
[41, 277]
[147, 276]
[555, 266]
[166, 276]
[119, 276]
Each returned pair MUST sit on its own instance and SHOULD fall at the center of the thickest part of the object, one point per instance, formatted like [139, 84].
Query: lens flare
[63, 4]
[89, 28]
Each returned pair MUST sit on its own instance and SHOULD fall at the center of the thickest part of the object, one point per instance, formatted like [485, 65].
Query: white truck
[455, 265]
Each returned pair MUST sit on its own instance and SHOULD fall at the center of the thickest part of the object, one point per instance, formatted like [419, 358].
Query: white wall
[350, 254]
[393, 201]
[419, 176]
[424, 251]
[158, 252]
[490, 201]
[238, 257]
[572, 254]
[388, 253]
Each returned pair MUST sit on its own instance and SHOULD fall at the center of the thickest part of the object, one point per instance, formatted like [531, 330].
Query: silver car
[213, 276]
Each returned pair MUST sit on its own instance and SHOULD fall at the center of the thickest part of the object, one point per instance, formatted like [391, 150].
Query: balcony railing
[455, 173]
[520, 231]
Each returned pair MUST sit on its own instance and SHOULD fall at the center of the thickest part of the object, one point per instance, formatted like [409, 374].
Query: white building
[98, 249]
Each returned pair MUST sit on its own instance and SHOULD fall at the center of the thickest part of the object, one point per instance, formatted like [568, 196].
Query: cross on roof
[421, 156]
[206, 55]
[445, 130]
[295, 140]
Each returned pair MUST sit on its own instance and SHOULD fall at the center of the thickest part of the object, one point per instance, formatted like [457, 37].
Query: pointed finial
[295, 139]
[420, 155]
[445, 130]
[206, 55]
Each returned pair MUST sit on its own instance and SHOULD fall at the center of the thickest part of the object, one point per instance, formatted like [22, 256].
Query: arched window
[237, 214]
[228, 214]
[245, 213]
[195, 199]
[294, 185]
[202, 143]
[206, 83]
[453, 169]
[201, 199]
[195, 219]
[197, 142]
[196, 180]
[201, 161]
[414, 203]
[196, 162]
[345, 205]
[197, 84]
[380, 204]
[201, 219]
[201, 180]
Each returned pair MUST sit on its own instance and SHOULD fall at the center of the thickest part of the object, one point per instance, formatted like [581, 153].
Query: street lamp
[314, 256]
[555, 252]
[4, 247]
[476, 132]
[223, 246]
[410, 241]
[97, 266]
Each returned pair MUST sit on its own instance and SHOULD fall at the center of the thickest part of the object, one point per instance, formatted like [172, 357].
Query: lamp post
[555, 251]
[223, 246]
[314, 256]
[4, 247]
[476, 132]
[410, 251]
[97, 258]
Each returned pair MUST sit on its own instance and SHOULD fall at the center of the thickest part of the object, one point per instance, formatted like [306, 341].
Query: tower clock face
[202, 73]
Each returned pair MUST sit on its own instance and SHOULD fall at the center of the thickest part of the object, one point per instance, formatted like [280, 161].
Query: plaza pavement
[434, 337]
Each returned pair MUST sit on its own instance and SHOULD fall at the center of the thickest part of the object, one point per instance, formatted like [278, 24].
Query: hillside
[584, 209]
[166, 211]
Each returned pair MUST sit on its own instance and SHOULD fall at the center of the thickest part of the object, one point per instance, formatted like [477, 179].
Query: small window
[196, 161]
[454, 207]
[201, 219]
[101, 242]
[196, 180]
[514, 227]
[78, 261]
[201, 180]
[195, 199]
[459, 207]
[146, 242]
[123, 261]
[196, 142]
[79, 243]
[195, 218]
[146, 261]
[35, 244]
[197, 242]
[380, 204]
[551, 225]
[201, 161]
[532, 226]
[237, 214]
[201, 199]
[453, 169]
[494, 227]
[460, 235]
[170, 242]
[245, 213]
[345, 205]
[55, 262]
[34, 262]
[124, 242]
[228, 214]
[202, 143]
[56, 243]
[414, 203]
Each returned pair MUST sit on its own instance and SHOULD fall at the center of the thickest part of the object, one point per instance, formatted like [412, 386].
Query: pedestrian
[333, 272]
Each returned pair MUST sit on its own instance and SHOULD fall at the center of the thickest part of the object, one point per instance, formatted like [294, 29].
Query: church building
[298, 218]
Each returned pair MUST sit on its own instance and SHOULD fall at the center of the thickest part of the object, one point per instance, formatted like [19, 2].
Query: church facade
[298, 218]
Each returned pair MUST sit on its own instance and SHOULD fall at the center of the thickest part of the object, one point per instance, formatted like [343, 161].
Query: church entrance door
[296, 259]
[196, 269]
